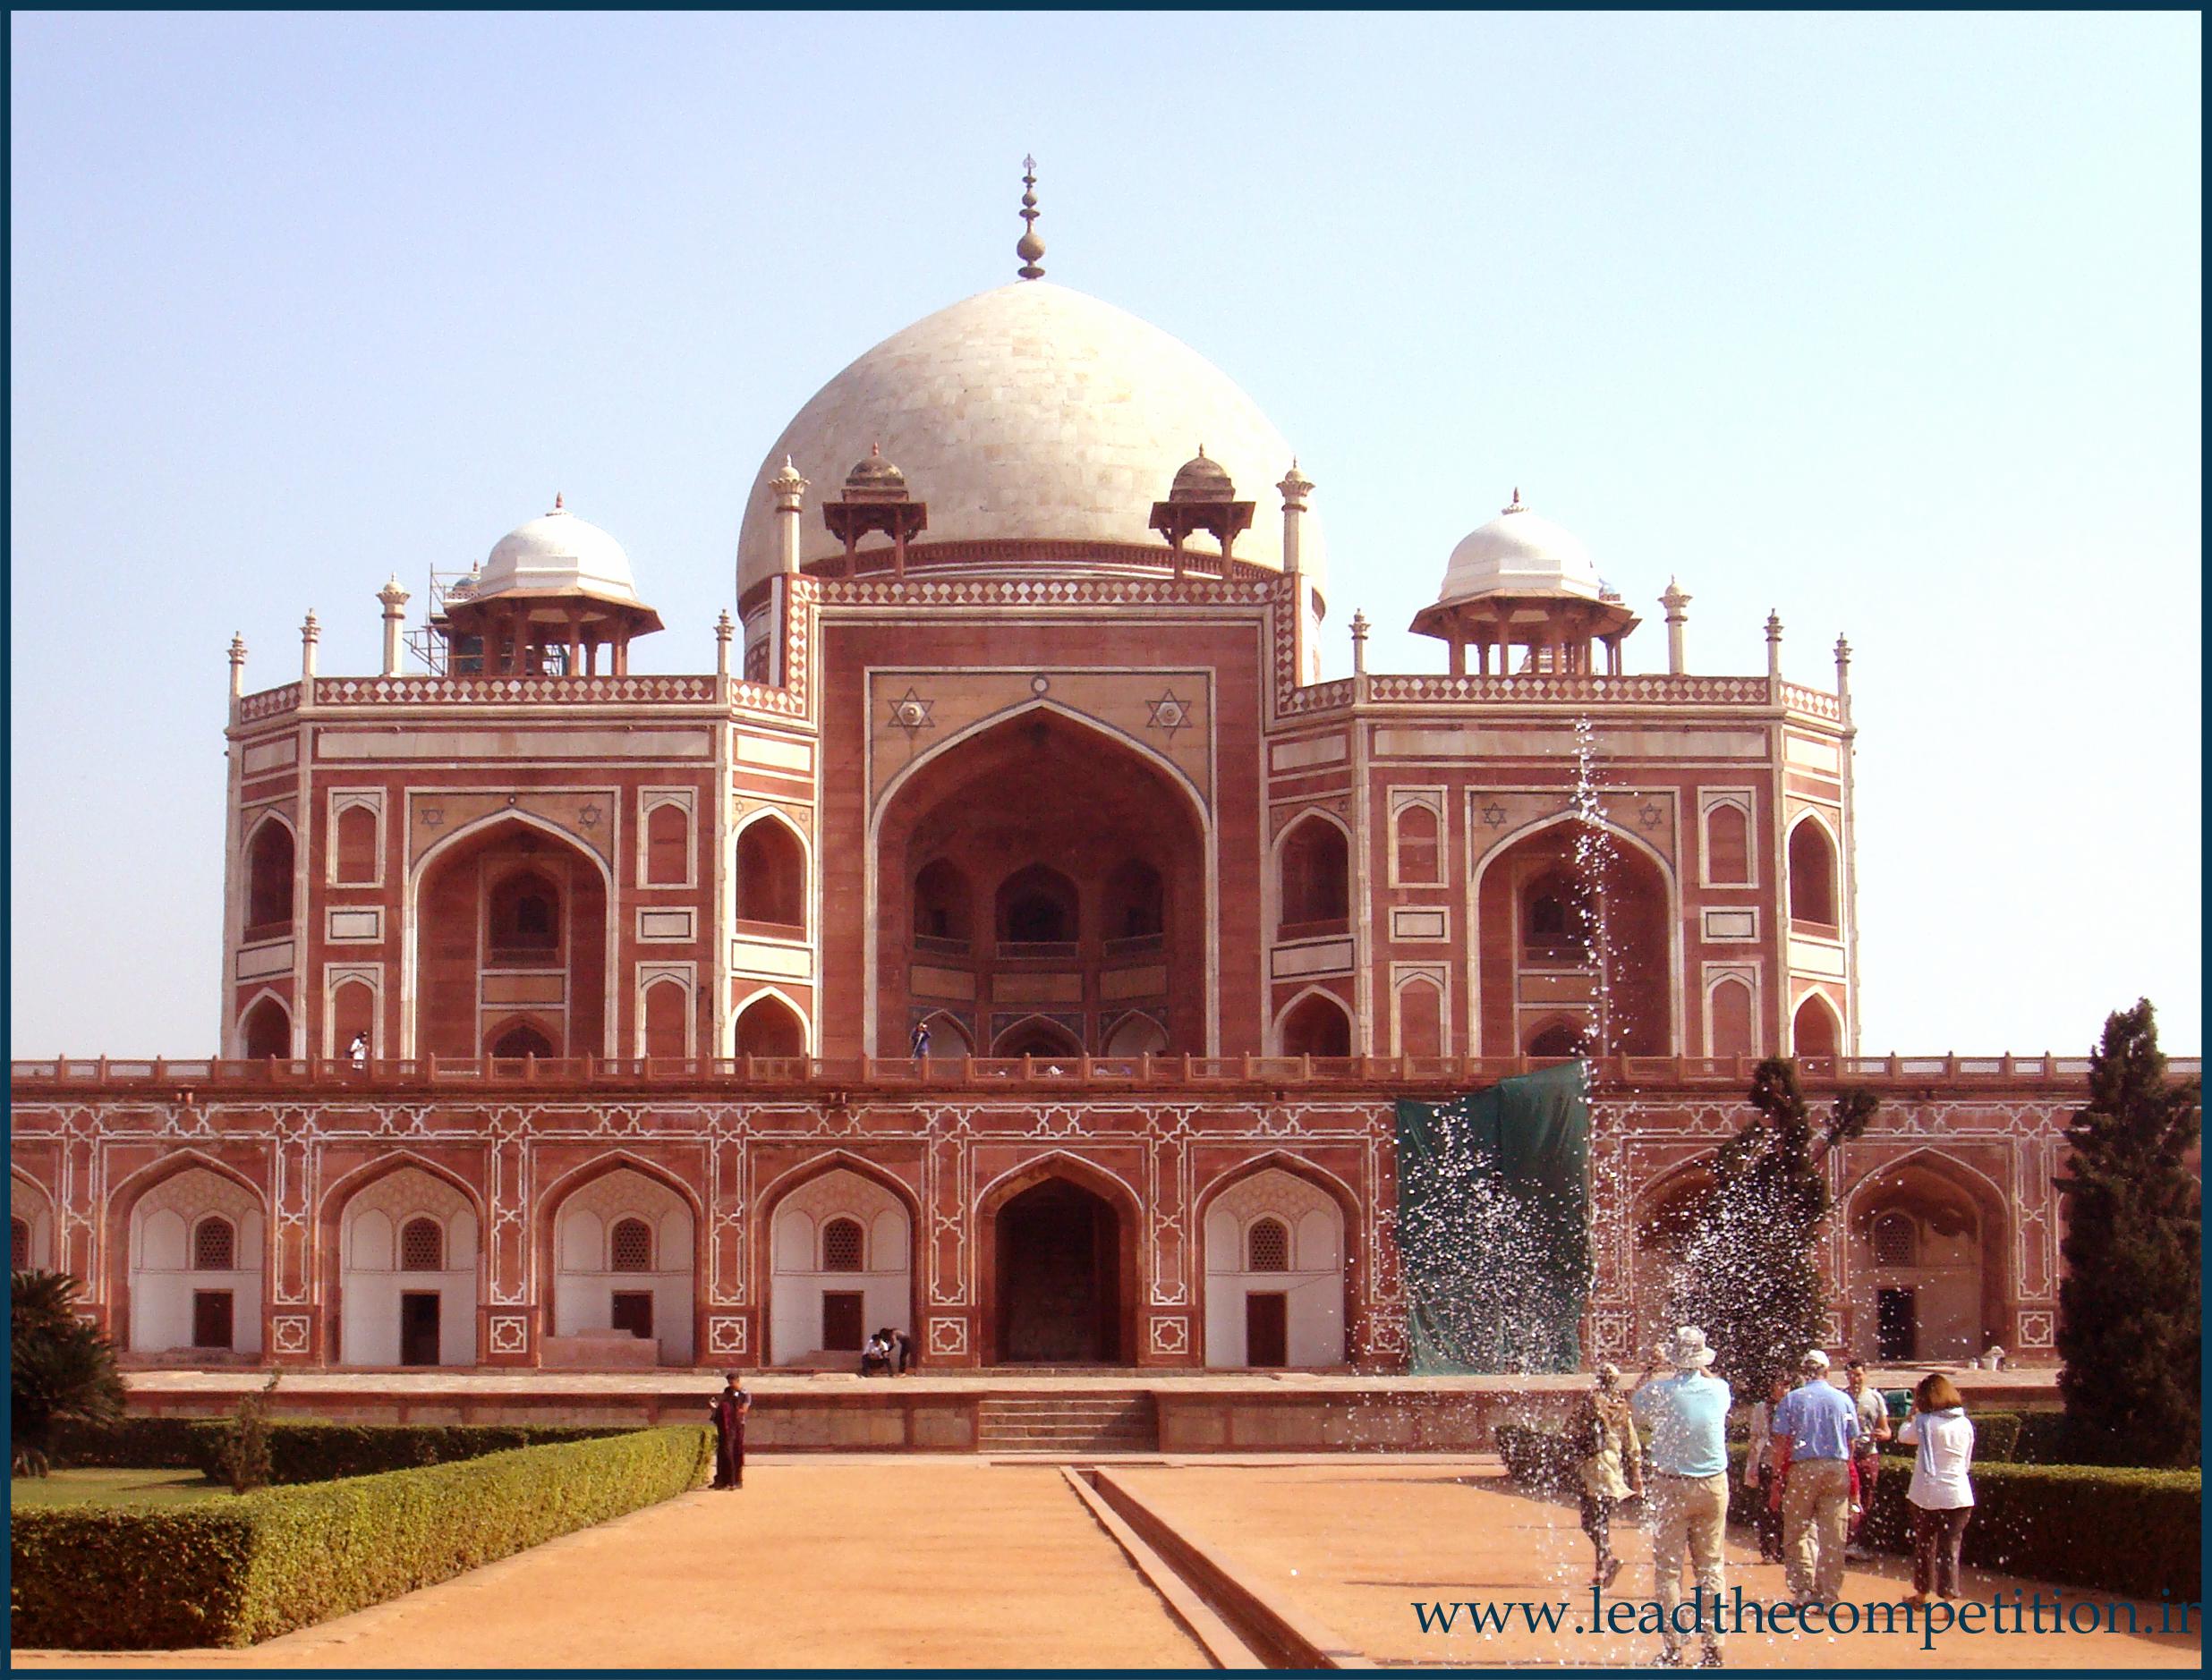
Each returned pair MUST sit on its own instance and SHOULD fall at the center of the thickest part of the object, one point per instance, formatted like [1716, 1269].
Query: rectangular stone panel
[1420, 924]
[265, 959]
[1817, 755]
[943, 982]
[1560, 743]
[524, 989]
[1723, 925]
[363, 925]
[1037, 988]
[1297, 961]
[545, 744]
[1558, 988]
[758, 956]
[1134, 982]
[1295, 755]
[776, 752]
[664, 924]
[270, 755]
[1816, 956]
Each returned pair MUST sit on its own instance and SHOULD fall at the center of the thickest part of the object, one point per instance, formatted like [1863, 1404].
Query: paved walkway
[911, 1562]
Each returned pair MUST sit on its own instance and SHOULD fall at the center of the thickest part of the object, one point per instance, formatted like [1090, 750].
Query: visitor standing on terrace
[1814, 1429]
[1686, 1419]
[728, 1412]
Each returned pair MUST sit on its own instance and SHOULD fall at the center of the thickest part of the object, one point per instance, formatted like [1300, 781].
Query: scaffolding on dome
[1493, 1226]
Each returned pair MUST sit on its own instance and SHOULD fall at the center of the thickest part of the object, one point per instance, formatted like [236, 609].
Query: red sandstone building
[568, 1014]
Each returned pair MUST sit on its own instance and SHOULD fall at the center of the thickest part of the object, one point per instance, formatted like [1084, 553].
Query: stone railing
[1317, 697]
[1577, 688]
[269, 703]
[835, 1077]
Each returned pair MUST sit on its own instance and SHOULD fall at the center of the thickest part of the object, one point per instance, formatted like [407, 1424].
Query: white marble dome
[557, 554]
[1029, 411]
[1519, 553]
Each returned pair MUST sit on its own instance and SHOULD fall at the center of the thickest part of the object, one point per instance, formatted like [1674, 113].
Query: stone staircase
[1068, 1425]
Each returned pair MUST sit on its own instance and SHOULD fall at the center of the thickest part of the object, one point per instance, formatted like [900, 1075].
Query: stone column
[1773, 645]
[394, 600]
[1676, 603]
[238, 673]
[310, 632]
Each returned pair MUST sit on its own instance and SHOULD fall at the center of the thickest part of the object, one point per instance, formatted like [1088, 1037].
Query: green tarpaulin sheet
[1494, 1226]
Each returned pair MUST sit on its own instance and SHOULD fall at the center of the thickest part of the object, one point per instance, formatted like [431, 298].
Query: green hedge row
[234, 1571]
[302, 1449]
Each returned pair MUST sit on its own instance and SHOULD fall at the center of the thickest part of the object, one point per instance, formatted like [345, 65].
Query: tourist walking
[728, 1412]
[1814, 1430]
[1762, 1483]
[1686, 1418]
[1612, 1468]
[1873, 1428]
[1941, 1495]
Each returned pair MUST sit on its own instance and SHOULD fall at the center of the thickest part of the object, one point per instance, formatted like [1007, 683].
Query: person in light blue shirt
[1813, 1429]
[1685, 1419]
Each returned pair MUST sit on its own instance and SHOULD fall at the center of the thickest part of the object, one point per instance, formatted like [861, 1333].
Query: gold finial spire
[1514, 506]
[1031, 247]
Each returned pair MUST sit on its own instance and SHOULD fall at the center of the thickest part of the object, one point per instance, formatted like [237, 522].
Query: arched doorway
[841, 1249]
[1926, 1263]
[1274, 1274]
[1052, 869]
[512, 933]
[196, 1267]
[768, 1026]
[1316, 1025]
[407, 1273]
[1573, 921]
[624, 1262]
[1061, 1275]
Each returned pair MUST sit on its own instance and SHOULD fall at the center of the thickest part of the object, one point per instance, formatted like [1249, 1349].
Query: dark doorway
[418, 1328]
[1060, 1277]
[842, 1313]
[211, 1318]
[1267, 1328]
[1896, 1325]
[634, 1311]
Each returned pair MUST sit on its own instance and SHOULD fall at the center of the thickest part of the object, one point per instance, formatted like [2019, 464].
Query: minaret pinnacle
[1031, 247]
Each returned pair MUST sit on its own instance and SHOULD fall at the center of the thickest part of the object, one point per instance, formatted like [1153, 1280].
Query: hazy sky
[1888, 323]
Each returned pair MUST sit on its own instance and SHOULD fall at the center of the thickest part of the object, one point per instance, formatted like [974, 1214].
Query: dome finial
[1514, 506]
[558, 505]
[1030, 247]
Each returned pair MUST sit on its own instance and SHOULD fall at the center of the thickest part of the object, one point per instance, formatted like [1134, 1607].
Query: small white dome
[1519, 553]
[557, 554]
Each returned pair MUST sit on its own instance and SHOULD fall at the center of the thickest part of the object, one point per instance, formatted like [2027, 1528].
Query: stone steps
[1071, 1423]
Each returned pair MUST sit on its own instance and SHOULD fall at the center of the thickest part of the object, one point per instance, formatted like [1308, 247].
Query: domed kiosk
[553, 592]
[1522, 581]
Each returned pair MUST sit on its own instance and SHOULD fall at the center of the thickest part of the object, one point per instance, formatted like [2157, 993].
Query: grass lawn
[115, 1486]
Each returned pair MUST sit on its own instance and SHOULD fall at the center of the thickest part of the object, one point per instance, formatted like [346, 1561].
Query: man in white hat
[1685, 1416]
[1813, 1429]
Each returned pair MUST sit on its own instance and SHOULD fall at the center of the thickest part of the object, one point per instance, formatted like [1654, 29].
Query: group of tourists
[889, 1354]
[1810, 1469]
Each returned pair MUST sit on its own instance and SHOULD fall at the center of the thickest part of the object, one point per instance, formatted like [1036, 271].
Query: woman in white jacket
[1940, 1496]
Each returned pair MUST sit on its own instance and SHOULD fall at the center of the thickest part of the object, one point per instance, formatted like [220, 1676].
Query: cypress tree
[1747, 1274]
[2128, 1307]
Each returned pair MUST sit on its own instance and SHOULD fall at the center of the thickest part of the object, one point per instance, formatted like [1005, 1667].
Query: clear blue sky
[1889, 323]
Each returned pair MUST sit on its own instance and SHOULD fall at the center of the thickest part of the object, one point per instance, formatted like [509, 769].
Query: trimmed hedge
[305, 1449]
[234, 1571]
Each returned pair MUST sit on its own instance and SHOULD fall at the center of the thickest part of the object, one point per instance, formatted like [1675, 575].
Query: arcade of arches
[1049, 884]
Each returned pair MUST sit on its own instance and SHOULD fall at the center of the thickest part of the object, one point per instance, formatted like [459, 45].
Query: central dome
[1030, 413]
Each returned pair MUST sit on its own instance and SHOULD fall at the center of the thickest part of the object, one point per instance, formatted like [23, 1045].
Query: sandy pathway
[847, 1563]
[1358, 1545]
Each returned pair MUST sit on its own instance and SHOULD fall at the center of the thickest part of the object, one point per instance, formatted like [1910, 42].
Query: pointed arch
[1300, 1023]
[1137, 1033]
[258, 1033]
[1813, 856]
[1956, 1306]
[956, 1041]
[581, 1297]
[1316, 1280]
[772, 867]
[769, 1035]
[793, 1322]
[270, 857]
[1036, 1029]
[1815, 1029]
[1311, 874]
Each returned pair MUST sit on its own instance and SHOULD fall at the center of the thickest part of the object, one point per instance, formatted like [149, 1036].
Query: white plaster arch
[29, 1202]
[1313, 1282]
[1946, 1289]
[797, 1282]
[584, 1279]
[163, 1279]
[1044, 1165]
[371, 1285]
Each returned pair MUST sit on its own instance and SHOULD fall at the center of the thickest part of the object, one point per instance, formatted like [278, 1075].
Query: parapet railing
[1609, 1076]
[1591, 688]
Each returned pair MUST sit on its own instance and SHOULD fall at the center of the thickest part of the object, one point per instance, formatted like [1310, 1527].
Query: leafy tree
[1746, 1274]
[59, 1367]
[2128, 1307]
